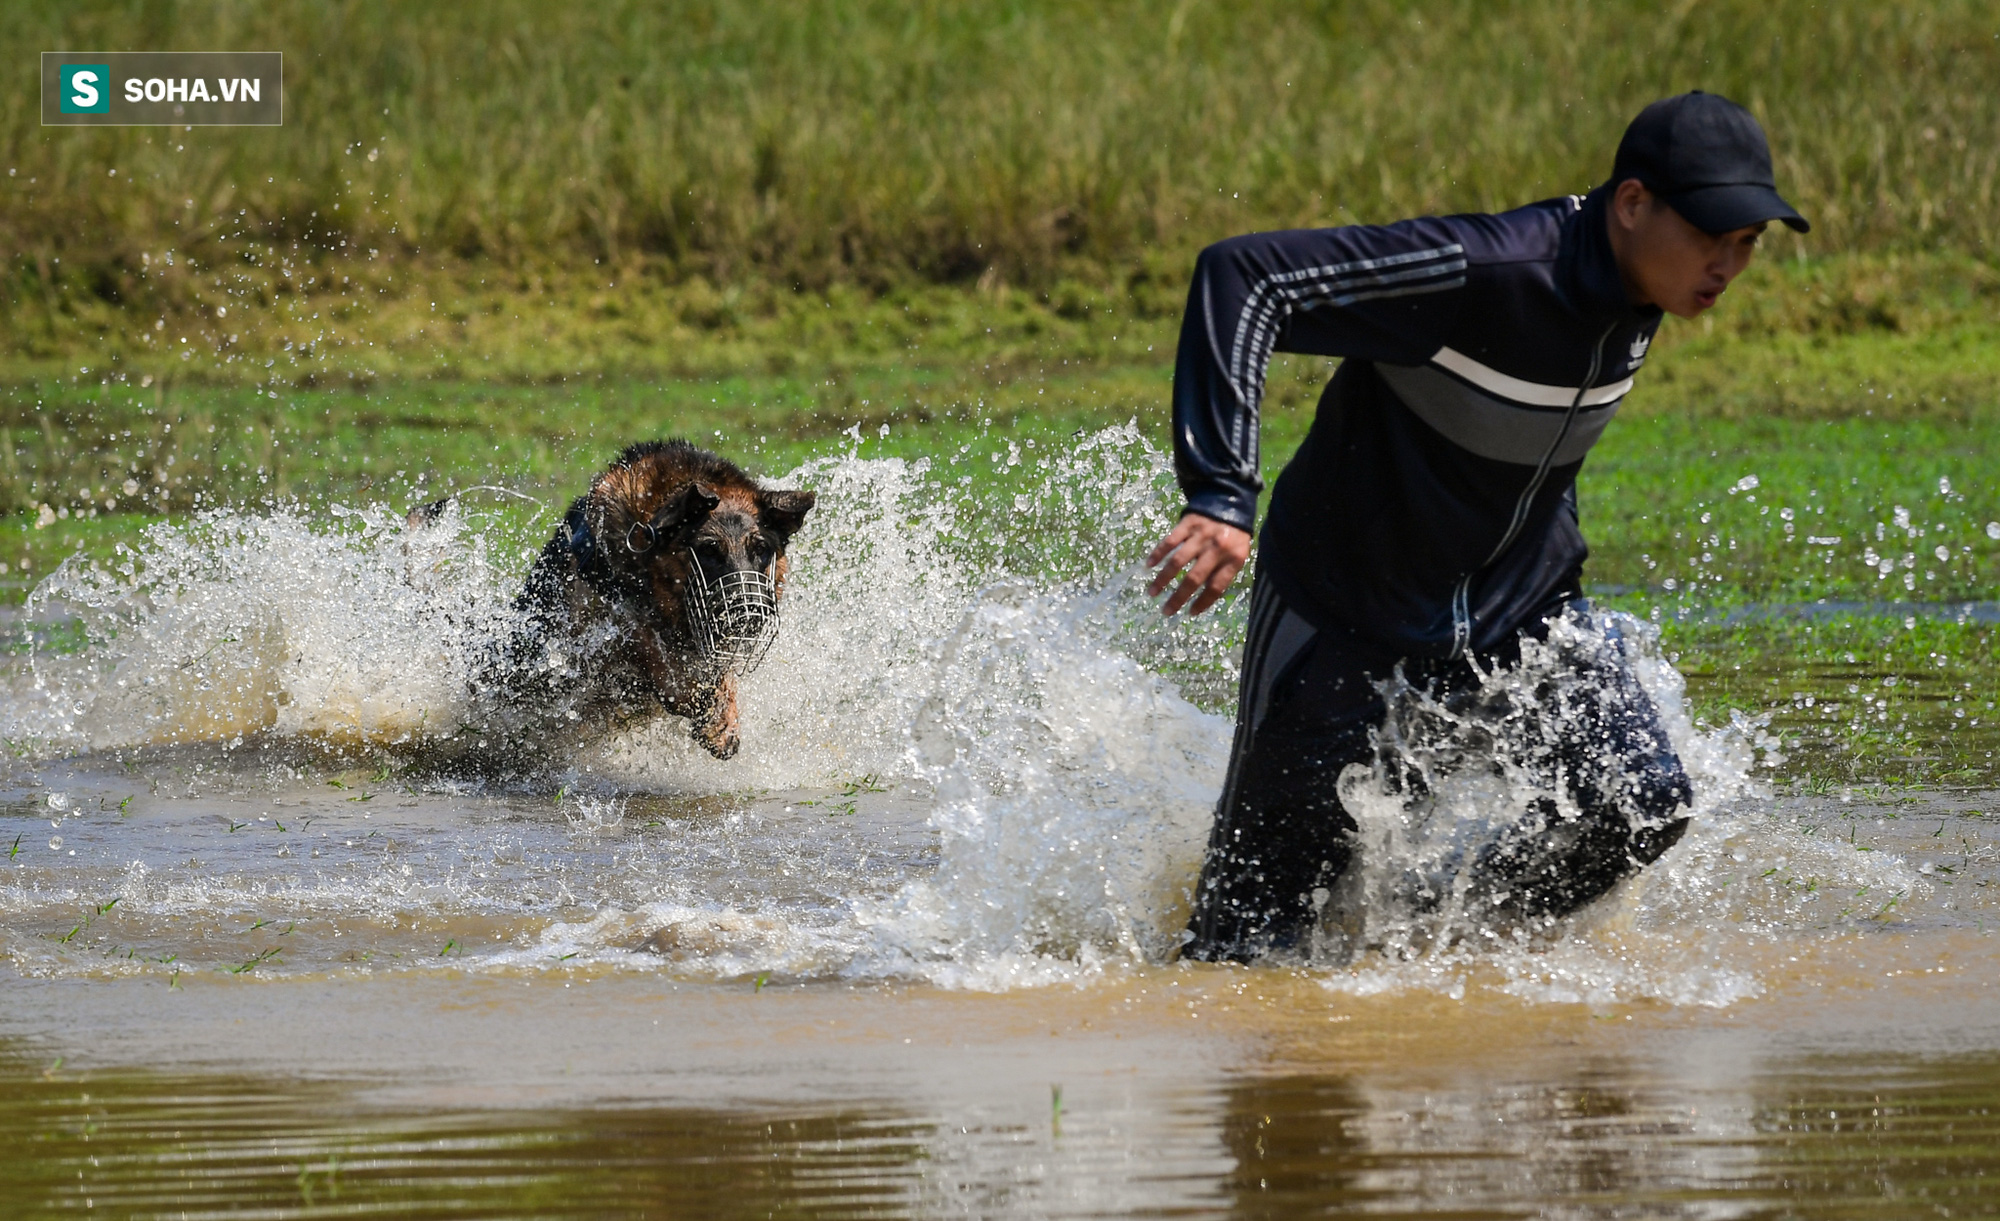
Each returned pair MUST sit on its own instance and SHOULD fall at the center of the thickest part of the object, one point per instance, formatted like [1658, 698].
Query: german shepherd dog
[659, 589]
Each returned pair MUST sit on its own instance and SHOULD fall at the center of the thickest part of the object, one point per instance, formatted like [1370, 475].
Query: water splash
[988, 656]
[1454, 777]
[1462, 774]
[352, 630]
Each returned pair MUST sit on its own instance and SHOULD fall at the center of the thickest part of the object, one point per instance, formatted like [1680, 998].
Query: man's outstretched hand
[1205, 554]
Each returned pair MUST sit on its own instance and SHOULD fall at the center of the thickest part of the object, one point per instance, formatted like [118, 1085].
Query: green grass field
[521, 190]
[821, 142]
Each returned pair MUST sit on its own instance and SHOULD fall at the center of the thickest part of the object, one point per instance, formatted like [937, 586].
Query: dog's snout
[733, 616]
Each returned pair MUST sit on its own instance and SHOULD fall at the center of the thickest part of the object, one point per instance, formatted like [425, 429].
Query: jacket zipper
[1461, 610]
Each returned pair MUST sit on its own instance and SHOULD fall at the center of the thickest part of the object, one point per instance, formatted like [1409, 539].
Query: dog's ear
[782, 511]
[615, 517]
[622, 523]
[686, 507]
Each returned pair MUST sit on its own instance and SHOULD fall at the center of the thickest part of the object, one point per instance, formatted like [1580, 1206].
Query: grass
[1856, 697]
[875, 143]
[1804, 360]
[1712, 511]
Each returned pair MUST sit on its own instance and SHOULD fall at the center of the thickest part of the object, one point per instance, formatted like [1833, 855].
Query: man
[1429, 521]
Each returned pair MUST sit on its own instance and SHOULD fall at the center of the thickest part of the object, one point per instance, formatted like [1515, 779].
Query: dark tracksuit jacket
[1428, 520]
[1431, 508]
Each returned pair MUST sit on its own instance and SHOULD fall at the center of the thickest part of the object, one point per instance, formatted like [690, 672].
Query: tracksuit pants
[1308, 706]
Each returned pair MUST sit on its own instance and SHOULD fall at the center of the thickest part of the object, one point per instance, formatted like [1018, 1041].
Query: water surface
[280, 940]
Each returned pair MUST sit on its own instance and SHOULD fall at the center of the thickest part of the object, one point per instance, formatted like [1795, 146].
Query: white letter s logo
[83, 90]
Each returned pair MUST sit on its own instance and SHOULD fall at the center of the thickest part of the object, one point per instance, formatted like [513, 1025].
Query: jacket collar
[1587, 270]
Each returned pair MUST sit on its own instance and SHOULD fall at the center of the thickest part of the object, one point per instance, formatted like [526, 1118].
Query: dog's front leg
[715, 725]
[691, 689]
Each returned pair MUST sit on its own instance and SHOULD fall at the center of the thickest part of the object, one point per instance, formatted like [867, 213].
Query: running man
[1429, 518]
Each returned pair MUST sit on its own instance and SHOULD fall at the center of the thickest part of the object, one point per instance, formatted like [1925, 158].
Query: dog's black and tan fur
[605, 625]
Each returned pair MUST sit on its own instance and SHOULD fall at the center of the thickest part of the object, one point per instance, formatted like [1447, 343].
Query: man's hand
[1206, 554]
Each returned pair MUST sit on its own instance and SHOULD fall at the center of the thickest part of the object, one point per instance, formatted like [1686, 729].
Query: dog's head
[698, 543]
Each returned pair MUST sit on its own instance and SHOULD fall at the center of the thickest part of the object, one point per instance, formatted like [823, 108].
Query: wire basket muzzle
[734, 618]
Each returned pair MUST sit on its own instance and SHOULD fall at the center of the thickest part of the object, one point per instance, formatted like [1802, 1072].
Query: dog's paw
[716, 730]
[720, 740]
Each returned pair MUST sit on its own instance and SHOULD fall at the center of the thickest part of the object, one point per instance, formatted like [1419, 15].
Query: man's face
[1666, 261]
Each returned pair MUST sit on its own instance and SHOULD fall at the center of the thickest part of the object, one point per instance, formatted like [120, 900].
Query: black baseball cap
[1707, 157]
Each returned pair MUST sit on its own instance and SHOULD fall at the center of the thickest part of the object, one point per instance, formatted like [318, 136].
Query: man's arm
[1378, 292]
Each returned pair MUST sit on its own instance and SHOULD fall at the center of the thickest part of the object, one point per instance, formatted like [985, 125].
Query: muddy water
[280, 938]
